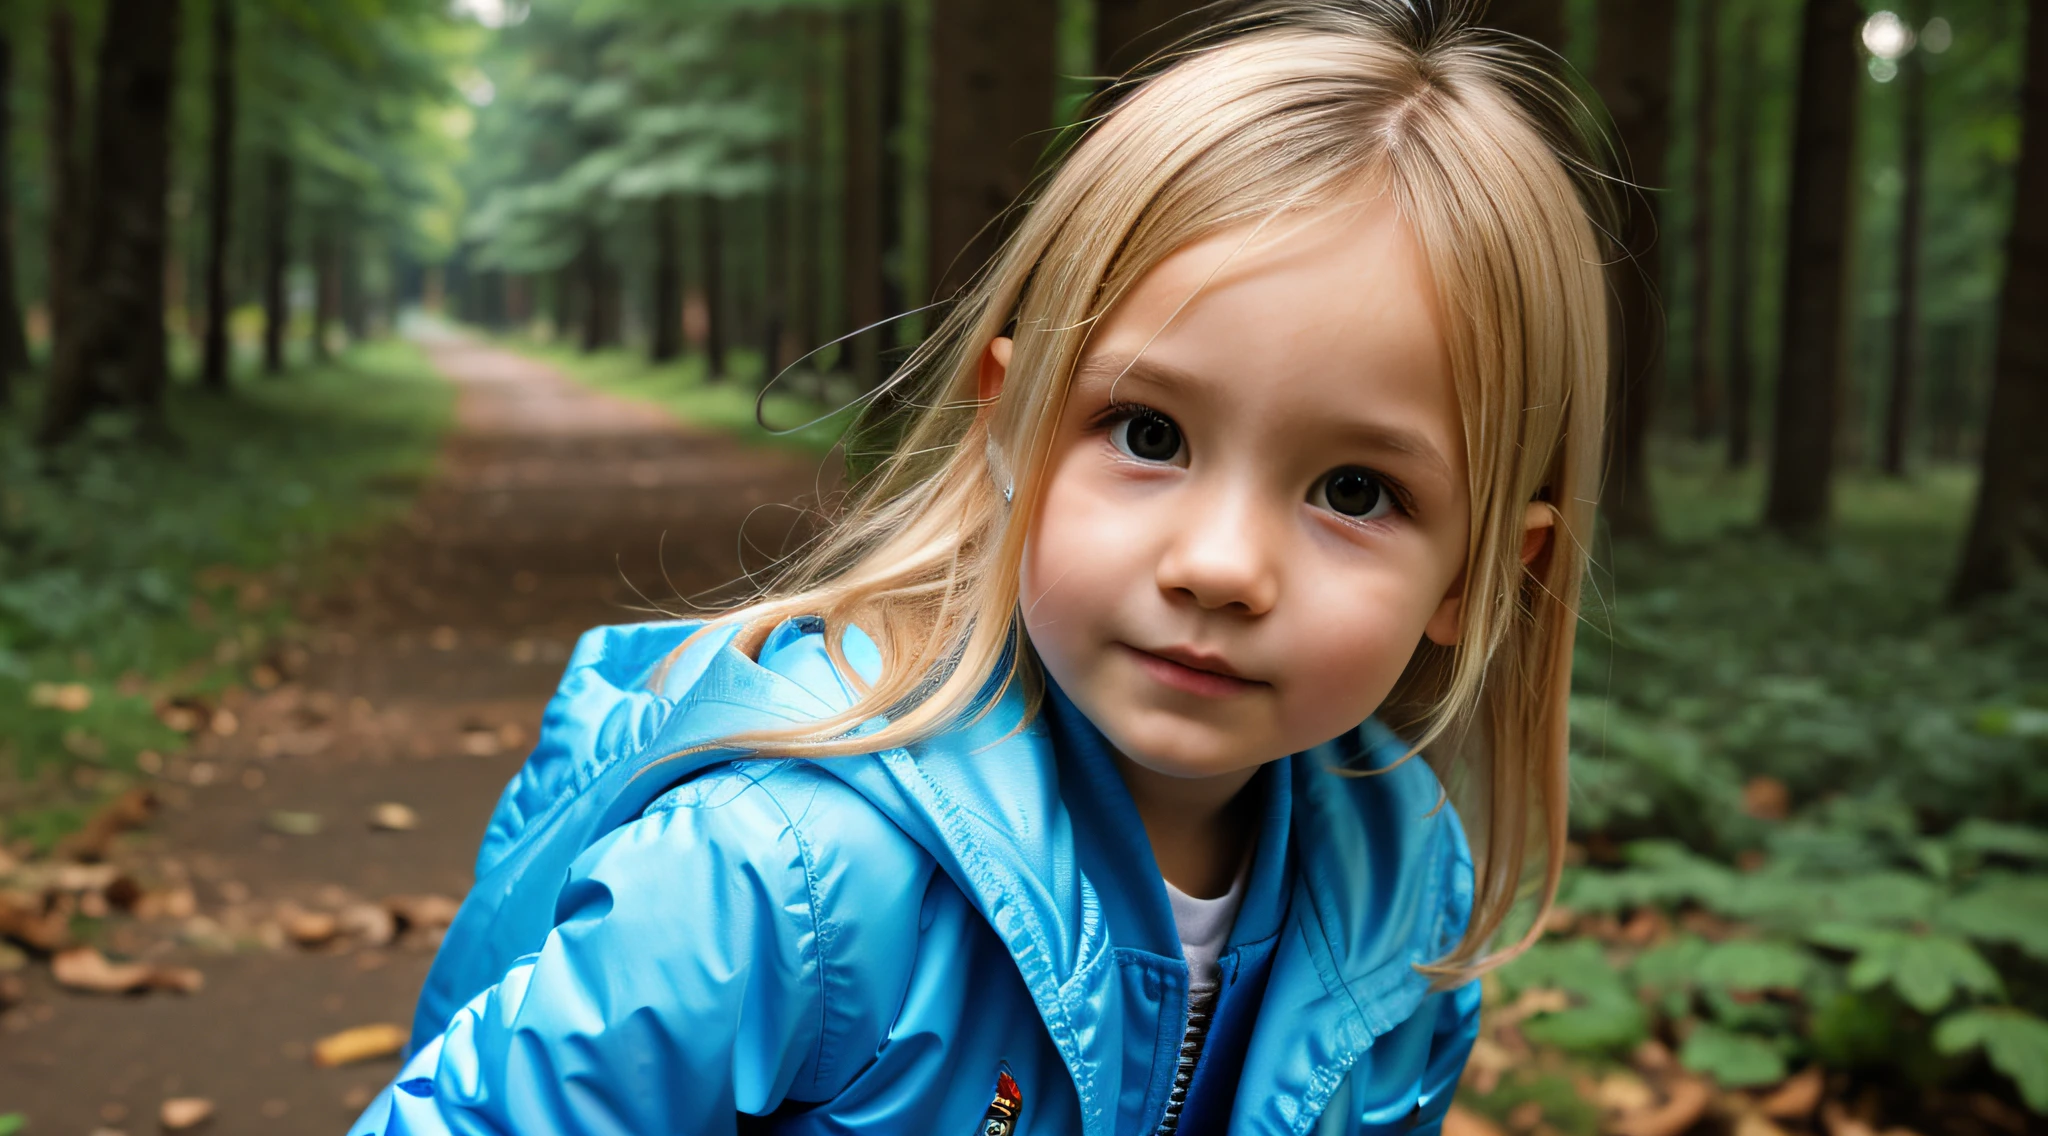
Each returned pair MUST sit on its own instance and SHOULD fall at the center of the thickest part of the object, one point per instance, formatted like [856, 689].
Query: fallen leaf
[182, 1114]
[1622, 1092]
[130, 810]
[1839, 1121]
[362, 1043]
[1796, 1098]
[423, 912]
[86, 969]
[225, 723]
[1525, 1116]
[391, 816]
[1756, 1124]
[1462, 1121]
[309, 928]
[291, 823]
[12, 990]
[369, 923]
[70, 697]
[1766, 798]
[1681, 1110]
[444, 639]
[480, 742]
[34, 922]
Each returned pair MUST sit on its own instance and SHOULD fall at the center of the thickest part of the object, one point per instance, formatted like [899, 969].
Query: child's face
[1256, 503]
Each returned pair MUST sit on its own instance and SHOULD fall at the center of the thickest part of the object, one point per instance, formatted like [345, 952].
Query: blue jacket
[890, 943]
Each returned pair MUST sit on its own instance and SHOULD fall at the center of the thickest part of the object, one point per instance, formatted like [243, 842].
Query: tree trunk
[991, 99]
[1633, 74]
[892, 81]
[774, 278]
[2010, 526]
[666, 340]
[710, 237]
[1706, 388]
[808, 199]
[13, 342]
[216, 357]
[592, 283]
[277, 255]
[1898, 411]
[1741, 353]
[1539, 20]
[860, 226]
[1128, 32]
[62, 155]
[326, 290]
[1816, 252]
[117, 357]
[355, 308]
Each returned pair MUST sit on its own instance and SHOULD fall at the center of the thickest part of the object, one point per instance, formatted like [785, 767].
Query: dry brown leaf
[423, 912]
[362, 1043]
[1687, 1102]
[12, 989]
[1752, 1123]
[85, 968]
[1646, 926]
[183, 1114]
[480, 742]
[1462, 1121]
[391, 816]
[1525, 1116]
[1621, 1092]
[308, 928]
[369, 923]
[1796, 1098]
[37, 922]
[1839, 1121]
[70, 697]
[1766, 798]
[130, 810]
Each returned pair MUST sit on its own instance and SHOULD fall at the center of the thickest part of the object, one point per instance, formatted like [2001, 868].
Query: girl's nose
[1221, 555]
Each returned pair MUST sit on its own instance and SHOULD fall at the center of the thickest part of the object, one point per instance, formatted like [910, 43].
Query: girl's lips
[1192, 680]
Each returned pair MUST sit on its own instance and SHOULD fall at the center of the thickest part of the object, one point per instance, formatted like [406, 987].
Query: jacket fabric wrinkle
[662, 940]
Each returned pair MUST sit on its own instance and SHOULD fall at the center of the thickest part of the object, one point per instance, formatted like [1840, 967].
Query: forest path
[422, 685]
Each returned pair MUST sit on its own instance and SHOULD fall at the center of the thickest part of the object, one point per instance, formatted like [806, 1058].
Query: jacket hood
[1381, 877]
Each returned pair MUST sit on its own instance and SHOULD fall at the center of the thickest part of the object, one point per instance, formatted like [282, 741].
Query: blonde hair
[1284, 107]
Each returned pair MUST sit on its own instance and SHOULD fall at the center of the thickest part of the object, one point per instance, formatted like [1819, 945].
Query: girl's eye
[1352, 492]
[1148, 436]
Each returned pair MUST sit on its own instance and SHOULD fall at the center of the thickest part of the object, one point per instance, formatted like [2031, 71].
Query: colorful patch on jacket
[1008, 1105]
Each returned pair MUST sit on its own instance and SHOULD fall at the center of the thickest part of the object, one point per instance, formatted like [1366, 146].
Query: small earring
[1001, 470]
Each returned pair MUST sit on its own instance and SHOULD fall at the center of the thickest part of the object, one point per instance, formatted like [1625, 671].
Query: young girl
[1062, 787]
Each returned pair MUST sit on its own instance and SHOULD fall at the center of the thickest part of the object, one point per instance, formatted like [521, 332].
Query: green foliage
[1890, 882]
[105, 547]
[1734, 1059]
[2014, 1040]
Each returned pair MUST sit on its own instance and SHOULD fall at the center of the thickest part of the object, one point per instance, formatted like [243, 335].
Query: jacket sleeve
[679, 987]
[1450, 1045]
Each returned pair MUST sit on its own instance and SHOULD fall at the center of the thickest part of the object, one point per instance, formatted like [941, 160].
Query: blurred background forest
[1809, 881]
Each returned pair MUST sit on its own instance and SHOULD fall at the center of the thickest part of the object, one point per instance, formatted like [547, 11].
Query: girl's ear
[1446, 623]
[995, 367]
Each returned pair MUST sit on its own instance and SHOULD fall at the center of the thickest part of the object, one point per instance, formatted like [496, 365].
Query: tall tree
[220, 163]
[861, 200]
[277, 255]
[326, 258]
[1706, 390]
[1906, 317]
[1128, 32]
[710, 241]
[666, 320]
[1633, 73]
[1740, 357]
[2009, 528]
[1539, 20]
[992, 105]
[1816, 252]
[117, 356]
[13, 343]
[61, 153]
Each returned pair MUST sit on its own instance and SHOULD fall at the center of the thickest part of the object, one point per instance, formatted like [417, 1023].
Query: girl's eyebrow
[1383, 437]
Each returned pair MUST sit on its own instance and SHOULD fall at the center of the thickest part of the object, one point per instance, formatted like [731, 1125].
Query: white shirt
[1204, 926]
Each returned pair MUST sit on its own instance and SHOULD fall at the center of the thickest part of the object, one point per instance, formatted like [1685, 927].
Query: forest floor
[418, 685]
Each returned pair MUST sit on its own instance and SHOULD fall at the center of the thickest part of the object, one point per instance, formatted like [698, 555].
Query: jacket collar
[1382, 878]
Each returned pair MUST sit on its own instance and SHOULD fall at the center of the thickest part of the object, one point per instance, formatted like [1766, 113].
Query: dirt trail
[422, 685]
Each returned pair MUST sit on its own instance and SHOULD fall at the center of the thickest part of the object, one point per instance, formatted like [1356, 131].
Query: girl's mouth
[1193, 675]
